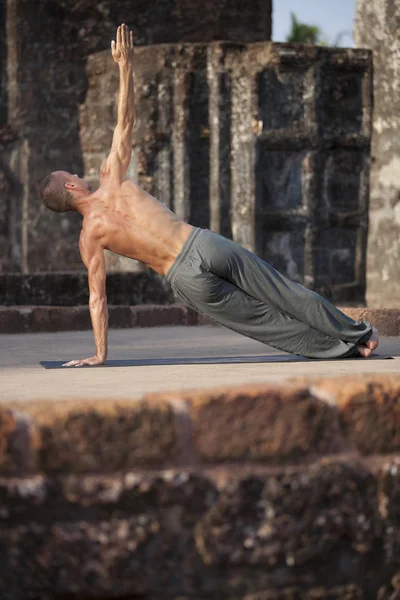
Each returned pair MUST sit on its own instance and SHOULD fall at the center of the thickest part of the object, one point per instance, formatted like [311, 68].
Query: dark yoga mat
[205, 360]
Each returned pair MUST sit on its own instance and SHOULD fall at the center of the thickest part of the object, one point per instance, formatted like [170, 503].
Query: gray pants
[237, 289]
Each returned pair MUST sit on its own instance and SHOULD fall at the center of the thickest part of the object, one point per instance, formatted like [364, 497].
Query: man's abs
[138, 226]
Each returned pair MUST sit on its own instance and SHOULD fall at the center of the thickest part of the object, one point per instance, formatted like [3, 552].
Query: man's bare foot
[367, 349]
[364, 351]
[373, 341]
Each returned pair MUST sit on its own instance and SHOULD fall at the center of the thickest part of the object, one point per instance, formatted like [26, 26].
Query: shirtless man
[214, 275]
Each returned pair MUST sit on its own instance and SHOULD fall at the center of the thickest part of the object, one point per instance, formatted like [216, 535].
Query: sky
[332, 16]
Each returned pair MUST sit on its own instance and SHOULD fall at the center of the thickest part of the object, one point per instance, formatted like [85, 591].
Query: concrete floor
[23, 378]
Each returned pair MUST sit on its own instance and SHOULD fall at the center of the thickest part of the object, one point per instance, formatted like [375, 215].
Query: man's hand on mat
[123, 49]
[85, 362]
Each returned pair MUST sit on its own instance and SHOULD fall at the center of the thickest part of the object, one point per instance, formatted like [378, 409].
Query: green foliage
[301, 33]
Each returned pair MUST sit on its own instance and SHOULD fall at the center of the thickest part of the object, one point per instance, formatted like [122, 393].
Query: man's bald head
[54, 193]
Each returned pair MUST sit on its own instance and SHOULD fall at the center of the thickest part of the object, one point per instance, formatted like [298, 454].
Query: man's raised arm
[119, 158]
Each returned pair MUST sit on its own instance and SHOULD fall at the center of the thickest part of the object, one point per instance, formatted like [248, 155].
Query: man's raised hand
[122, 50]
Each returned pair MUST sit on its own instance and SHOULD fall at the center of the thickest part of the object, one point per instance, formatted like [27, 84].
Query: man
[215, 276]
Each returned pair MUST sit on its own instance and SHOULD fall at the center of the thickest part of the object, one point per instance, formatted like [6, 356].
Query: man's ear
[69, 185]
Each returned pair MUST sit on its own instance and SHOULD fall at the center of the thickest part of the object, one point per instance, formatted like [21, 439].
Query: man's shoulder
[92, 224]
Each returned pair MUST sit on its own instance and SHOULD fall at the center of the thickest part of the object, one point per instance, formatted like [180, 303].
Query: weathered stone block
[120, 317]
[264, 425]
[71, 289]
[14, 320]
[279, 179]
[295, 534]
[277, 522]
[335, 258]
[103, 437]
[345, 183]
[124, 535]
[341, 103]
[369, 409]
[280, 97]
[54, 318]
[157, 316]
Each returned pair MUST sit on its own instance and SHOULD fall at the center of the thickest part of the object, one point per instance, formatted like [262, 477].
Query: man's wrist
[125, 66]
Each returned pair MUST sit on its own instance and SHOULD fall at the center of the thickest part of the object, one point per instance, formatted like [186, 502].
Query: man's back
[127, 220]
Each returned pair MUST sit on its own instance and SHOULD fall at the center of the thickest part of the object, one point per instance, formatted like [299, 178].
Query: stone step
[266, 425]
[262, 493]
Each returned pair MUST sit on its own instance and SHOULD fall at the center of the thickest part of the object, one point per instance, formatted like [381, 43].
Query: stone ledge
[252, 493]
[267, 425]
[34, 319]
[26, 319]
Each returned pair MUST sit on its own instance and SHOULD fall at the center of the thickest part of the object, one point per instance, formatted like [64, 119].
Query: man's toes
[373, 341]
[364, 351]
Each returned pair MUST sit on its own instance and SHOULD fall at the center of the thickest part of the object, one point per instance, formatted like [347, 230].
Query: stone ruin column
[377, 27]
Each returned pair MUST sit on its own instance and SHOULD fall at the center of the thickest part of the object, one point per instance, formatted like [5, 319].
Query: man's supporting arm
[93, 257]
[119, 158]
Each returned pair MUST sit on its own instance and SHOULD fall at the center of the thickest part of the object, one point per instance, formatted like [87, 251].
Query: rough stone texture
[43, 51]
[105, 437]
[270, 426]
[56, 318]
[265, 143]
[252, 518]
[102, 518]
[377, 27]
[310, 534]
[369, 411]
[71, 289]
[23, 319]
[263, 425]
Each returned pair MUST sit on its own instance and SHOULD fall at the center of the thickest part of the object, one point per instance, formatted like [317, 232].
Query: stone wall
[265, 143]
[265, 493]
[377, 27]
[44, 46]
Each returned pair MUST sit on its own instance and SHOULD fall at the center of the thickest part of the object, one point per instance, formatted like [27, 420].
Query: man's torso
[130, 222]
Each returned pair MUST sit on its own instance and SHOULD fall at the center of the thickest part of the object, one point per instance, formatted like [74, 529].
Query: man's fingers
[126, 35]
[119, 36]
[76, 363]
[131, 38]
